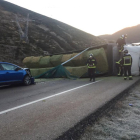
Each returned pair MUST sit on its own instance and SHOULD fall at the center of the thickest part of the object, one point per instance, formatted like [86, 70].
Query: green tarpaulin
[57, 72]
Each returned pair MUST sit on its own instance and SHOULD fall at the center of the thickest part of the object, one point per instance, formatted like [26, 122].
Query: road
[46, 110]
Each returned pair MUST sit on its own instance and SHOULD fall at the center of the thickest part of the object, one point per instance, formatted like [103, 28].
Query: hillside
[46, 36]
[132, 32]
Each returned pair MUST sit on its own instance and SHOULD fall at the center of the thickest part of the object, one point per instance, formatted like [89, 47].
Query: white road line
[17, 107]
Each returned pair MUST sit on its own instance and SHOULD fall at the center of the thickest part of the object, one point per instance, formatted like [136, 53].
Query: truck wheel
[27, 80]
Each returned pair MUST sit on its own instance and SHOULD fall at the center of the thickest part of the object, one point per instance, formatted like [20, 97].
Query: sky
[96, 17]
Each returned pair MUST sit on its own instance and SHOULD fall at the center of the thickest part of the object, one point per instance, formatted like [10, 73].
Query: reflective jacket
[91, 63]
[119, 62]
[121, 42]
[126, 60]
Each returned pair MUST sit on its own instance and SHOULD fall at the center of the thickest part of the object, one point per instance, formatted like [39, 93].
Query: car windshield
[8, 67]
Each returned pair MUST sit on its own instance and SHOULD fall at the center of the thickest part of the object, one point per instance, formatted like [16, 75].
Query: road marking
[17, 107]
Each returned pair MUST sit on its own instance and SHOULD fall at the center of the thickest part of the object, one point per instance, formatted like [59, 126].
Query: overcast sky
[93, 16]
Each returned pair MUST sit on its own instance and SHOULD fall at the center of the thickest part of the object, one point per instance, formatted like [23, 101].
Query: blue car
[11, 74]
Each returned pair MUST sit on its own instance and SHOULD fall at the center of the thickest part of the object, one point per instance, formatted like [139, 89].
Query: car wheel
[27, 80]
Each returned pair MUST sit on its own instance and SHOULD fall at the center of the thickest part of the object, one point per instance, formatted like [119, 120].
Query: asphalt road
[17, 95]
[46, 110]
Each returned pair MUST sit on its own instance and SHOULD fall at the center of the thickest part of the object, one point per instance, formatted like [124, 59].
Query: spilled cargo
[77, 66]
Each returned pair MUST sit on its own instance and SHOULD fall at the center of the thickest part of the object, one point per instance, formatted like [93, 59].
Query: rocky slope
[46, 36]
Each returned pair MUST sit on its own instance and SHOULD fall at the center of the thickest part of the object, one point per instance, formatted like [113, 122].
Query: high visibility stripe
[122, 48]
[93, 60]
[125, 60]
[92, 67]
[127, 57]
[130, 76]
[118, 61]
[127, 64]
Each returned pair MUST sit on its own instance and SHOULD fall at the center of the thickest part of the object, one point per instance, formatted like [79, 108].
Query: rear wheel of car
[27, 80]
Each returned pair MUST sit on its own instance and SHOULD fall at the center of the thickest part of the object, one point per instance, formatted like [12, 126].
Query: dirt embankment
[46, 35]
[16, 54]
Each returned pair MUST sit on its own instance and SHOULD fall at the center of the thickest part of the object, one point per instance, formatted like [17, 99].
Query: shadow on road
[3, 87]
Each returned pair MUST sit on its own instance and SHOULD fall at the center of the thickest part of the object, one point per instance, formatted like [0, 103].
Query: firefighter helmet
[125, 51]
[91, 54]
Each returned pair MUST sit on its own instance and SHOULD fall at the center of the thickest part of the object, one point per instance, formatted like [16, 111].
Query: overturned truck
[106, 57]
[42, 66]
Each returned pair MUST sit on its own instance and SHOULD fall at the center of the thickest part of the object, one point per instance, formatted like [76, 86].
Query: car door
[12, 75]
[2, 75]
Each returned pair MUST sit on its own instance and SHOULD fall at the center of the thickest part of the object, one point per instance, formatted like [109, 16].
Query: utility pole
[23, 35]
[19, 28]
[26, 29]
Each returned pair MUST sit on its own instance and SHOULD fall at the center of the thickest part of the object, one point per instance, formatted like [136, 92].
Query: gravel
[122, 122]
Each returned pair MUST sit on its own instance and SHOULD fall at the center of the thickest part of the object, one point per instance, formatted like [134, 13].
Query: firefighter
[119, 68]
[127, 63]
[91, 63]
[120, 44]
